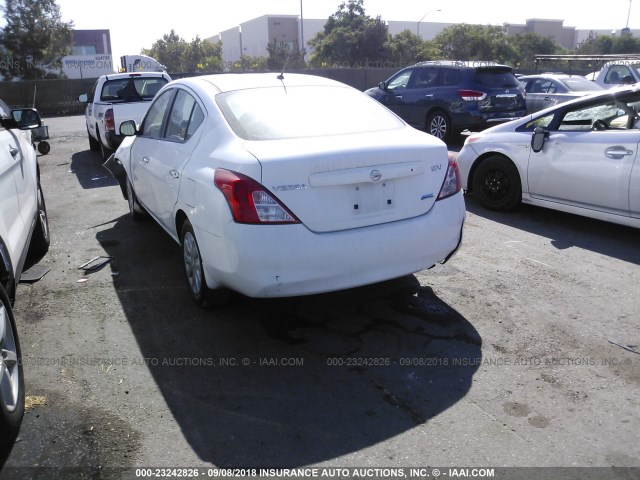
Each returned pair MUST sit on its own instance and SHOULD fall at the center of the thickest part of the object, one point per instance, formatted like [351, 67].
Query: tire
[94, 145]
[194, 273]
[44, 148]
[41, 239]
[496, 184]
[104, 151]
[11, 374]
[137, 211]
[439, 125]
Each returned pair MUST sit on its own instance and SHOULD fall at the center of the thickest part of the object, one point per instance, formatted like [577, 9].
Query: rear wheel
[104, 151]
[136, 210]
[11, 374]
[439, 125]
[496, 184]
[94, 146]
[41, 240]
[194, 271]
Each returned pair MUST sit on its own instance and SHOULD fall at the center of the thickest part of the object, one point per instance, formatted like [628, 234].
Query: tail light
[109, 121]
[249, 201]
[452, 183]
[472, 95]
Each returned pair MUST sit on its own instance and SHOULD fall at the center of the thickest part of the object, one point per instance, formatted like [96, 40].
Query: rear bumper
[289, 260]
[479, 121]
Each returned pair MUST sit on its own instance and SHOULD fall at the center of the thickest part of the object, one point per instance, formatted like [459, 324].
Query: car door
[634, 190]
[409, 93]
[585, 167]
[148, 148]
[414, 102]
[180, 137]
[537, 97]
[12, 227]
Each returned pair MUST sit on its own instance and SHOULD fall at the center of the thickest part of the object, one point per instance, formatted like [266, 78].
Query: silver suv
[24, 239]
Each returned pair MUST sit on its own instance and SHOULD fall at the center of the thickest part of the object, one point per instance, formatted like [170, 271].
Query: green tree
[169, 50]
[283, 55]
[405, 48]
[526, 45]
[350, 37]
[34, 39]
[474, 42]
[607, 45]
[180, 56]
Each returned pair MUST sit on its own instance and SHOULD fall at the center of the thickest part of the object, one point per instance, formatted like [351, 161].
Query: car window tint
[495, 78]
[583, 118]
[132, 89]
[303, 111]
[152, 126]
[180, 116]
[425, 77]
[616, 74]
[197, 117]
[543, 122]
[5, 111]
[449, 77]
[400, 81]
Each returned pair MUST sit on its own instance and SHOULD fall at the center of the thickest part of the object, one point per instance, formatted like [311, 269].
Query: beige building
[253, 36]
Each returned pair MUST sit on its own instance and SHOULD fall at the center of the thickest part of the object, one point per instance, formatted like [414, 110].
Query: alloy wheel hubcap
[192, 263]
[9, 380]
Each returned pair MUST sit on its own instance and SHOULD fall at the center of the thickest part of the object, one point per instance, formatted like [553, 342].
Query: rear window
[581, 84]
[495, 78]
[132, 89]
[303, 111]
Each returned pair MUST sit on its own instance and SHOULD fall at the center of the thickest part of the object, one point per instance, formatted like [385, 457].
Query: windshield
[309, 111]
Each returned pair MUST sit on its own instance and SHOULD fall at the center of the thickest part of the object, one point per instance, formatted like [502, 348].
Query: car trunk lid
[335, 183]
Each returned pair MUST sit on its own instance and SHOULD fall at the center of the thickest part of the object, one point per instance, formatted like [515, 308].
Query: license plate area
[369, 198]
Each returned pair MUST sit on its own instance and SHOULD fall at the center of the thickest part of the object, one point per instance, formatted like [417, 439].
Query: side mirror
[537, 140]
[84, 98]
[128, 128]
[382, 85]
[26, 118]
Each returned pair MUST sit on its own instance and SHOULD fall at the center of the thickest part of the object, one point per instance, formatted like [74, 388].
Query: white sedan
[579, 157]
[283, 185]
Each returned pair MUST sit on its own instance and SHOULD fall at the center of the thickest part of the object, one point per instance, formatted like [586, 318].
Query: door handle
[617, 152]
[174, 173]
[145, 159]
[399, 97]
[13, 151]
[429, 95]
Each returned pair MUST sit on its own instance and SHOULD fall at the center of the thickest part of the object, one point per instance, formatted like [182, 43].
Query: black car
[446, 97]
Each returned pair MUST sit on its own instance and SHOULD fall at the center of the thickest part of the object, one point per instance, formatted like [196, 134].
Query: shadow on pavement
[292, 381]
[567, 230]
[87, 167]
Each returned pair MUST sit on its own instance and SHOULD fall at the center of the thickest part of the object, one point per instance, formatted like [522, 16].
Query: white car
[283, 185]
[24, 237]
[579, 157]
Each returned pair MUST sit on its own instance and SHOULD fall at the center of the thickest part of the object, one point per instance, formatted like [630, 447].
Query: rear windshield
[495, 78]
[132, 89]
[304, 111]
[581, 84]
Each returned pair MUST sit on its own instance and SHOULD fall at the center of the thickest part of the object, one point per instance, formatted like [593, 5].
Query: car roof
[559, 76]
[464, 64]
[226, 82]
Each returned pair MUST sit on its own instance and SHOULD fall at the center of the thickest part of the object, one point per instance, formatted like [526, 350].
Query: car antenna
[284, 65]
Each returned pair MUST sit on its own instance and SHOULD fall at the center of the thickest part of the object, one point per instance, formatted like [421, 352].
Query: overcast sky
[136, 24]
